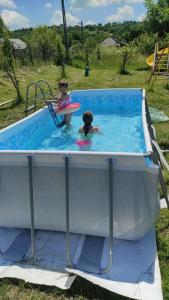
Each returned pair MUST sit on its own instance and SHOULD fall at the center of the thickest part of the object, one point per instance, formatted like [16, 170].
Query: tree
[126, 53]
[89, 47]
[157, 18]
[163, 3]
[8, 66]
[145, 43]
[4, 31]
[44, 39]
[60, 55]
[2, 26]
[98, 53]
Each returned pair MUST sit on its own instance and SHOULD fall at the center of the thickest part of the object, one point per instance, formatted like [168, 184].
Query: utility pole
[65, 30]
[82, 33]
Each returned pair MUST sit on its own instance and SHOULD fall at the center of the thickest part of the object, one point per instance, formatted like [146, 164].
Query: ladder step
[162, 54]
[161, 59]
[30, 108]
[161, 62]
[161, 68]
[161, 73]
[161, 77]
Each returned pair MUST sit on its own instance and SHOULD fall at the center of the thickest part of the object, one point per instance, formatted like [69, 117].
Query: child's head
[88, 118]
[63, 86]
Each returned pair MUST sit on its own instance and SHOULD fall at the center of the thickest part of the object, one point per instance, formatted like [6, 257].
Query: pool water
[118, 133]
[118, 114]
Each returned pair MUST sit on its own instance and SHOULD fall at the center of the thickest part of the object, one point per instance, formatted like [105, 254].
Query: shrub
[145, 43]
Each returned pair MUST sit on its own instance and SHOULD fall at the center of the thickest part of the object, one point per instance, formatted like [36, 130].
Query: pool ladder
[42, 96]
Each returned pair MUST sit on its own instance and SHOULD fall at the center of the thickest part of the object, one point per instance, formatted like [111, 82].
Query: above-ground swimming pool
[124, 141]
[117, 113]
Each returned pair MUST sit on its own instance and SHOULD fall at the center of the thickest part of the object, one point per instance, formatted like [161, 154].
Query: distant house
[109, 42]
[17, 44]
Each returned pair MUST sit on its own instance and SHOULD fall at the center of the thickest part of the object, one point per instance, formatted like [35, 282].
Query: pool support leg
[67, 213]
[108, 268]
[32, 257]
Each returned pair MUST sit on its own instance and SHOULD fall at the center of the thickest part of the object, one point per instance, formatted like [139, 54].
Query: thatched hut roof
[17, 44]
[109, 42]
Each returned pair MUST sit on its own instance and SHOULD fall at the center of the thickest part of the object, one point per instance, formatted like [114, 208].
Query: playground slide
[150, 59]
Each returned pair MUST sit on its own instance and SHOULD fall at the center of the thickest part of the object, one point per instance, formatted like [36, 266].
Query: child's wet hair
[87, 119]
[63, 83]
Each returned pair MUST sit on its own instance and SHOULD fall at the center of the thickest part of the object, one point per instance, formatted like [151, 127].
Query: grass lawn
[102, 76]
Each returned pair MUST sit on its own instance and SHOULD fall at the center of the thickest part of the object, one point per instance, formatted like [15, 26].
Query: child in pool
[88, 129]
[63, 101]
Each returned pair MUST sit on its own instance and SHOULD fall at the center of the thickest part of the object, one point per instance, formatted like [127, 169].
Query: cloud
[79, 4]
[8, 4]
[48, 5]
[141, 17]
[14, 20]
[123, 13]
[89, 23]
[70, 19]
[134, 1]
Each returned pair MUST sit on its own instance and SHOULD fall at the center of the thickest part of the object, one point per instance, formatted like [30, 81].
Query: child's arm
[97, 130]
[57, 100]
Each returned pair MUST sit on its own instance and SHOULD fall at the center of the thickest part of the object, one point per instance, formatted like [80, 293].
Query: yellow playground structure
[159, 61]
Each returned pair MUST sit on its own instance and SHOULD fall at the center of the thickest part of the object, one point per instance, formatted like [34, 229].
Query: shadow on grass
[81, 289]
[164, 143]
[143, 68]
[124, 72]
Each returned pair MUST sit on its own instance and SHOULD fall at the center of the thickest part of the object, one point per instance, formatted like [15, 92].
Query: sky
[18, 14]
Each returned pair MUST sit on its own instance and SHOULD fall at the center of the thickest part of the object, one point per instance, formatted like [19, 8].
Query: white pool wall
[135, 193]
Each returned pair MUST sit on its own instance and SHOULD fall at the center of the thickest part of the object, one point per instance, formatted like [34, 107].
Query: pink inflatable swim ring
[69, 108]
[82, 143]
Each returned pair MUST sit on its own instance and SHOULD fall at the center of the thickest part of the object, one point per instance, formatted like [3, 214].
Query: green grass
[81, 290]
[162, 229]
[103, 75]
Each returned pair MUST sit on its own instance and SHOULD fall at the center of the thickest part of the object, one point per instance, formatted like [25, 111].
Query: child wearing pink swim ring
[63, 101]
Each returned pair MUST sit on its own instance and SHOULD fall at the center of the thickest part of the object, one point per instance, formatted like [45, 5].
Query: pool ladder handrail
[48, 85]
[37, 85]
[49, 103]
[33, 107]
